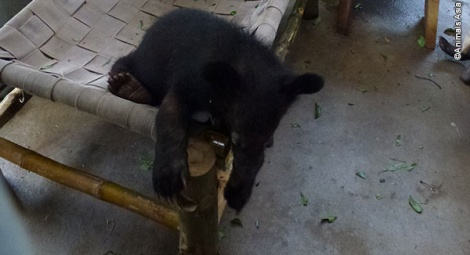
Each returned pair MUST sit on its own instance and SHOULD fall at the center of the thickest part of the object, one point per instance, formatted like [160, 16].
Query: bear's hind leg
[125, 85]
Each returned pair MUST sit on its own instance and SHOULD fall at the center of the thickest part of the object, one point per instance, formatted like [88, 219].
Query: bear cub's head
[253, 105]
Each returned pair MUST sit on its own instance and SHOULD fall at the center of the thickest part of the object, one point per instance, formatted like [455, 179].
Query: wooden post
[198, 214]
[431, 14]
[311, 10]
[342, 18]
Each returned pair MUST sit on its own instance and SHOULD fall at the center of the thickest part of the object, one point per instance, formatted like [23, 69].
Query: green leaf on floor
[233, 13]
[221, 233]
[294, 125]
[415, 205]
[146, 162]
[358, 6]
[449, 31]
[361, 174]
[141, 25]
[317, 21]
[317, 111]
[421, 41]
[400, 167]
[384, 56]
[303, 199]
[378, 196]
[398, 140]
[236, 222]
[329, 219]
[362, 90]
[425, 108]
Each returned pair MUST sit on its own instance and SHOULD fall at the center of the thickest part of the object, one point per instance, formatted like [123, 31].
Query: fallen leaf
[386, 39]
[294, 125]
[378, 196]
[317, 111]
[236, 222]
[384, 56]
[303, 199]
[398, 140]
[317, 21]
[425, 108]
[141, 25]
[330, 219]
[145, 162]
[400, 167]
[362, 90]
[361, 174]
[415, 205]
[358, 6]
[45, 67]
[421, 41]
[221, 233]
[107, 62]
[233, 13]
[449, 31]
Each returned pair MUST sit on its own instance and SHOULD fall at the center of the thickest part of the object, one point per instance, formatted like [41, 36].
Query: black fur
[191, 61]
[450, 49]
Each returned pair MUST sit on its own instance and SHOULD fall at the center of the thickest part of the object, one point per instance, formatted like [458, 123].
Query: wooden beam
[431, 14]
[342, 18]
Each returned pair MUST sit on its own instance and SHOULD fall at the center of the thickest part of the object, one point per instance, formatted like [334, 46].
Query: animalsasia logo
[458, 31]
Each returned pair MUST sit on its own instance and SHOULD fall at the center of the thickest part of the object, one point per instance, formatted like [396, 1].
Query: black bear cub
[191, 61]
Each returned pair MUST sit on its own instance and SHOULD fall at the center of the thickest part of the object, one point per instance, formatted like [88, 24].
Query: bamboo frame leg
[342, 19]
[87, 183]
[11, 104]
[431, 13]
[311, 10]
[198, 224]
[292, 27]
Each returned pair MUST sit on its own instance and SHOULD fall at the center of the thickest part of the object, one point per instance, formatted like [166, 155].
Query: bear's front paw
[237, 196]
[169, 177]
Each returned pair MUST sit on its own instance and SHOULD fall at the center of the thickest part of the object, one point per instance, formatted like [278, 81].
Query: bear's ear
[222, 76]
[303, 84]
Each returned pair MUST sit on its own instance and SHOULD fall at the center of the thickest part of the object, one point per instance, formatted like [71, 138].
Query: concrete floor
[371, 97]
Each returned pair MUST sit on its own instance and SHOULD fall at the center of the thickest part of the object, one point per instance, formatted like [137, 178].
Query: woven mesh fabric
[62, 49]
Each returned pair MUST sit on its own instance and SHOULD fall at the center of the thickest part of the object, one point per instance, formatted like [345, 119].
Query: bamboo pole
[292, 27]
[87, 183]
[11, 104]
[198, 225]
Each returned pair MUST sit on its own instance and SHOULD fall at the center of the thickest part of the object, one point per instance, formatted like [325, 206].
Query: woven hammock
[61, 50]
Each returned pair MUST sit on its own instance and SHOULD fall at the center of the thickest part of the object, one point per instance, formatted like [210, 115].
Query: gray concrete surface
[371, 97]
